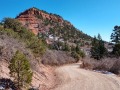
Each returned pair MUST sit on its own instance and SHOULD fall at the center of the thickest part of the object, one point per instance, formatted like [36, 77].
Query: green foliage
[57, 15]
[98, 49]
[46, 22]
[73, 48]
[14, 29]
[58, 27]
[67, 32]
[57, 45]
[94, 41]
[20, 70]
[81, 54]
[39, 16]
[37, 47]
[32, 42]
[35, 44]
[1, 24]
[66, 47]
[9, 32]
[75, 55]
[115, 36]
[79, 51]
[12, 24]
[116, 50]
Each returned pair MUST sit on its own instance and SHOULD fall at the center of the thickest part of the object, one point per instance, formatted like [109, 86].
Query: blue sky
[90, 16]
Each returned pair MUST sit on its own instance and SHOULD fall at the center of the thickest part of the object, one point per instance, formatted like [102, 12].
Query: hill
[51, 26]
[45, 26]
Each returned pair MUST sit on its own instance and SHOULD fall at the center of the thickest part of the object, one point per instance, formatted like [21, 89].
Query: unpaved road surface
[74, 78]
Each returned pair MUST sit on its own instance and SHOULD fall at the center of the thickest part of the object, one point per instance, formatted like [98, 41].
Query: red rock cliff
[34, 20]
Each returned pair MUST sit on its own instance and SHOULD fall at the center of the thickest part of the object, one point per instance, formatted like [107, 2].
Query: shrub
[116, 67]
[37, 47]
[10, 32]
[66, 47]
[106, 64]
[54, 57]
[82, 54]
[75, 55]
[12, 24]
[13, 28]
[20, 69]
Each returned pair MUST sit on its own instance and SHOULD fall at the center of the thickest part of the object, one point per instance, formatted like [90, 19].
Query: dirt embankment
[43, 76]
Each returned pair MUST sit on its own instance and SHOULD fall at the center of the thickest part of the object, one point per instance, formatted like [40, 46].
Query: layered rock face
[44, 24]
[36, 20]
[28, 19]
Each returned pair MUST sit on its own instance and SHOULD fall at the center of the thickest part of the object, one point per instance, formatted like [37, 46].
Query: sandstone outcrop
[35, 19]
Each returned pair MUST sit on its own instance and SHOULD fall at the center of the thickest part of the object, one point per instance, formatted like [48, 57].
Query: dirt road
[74, 78]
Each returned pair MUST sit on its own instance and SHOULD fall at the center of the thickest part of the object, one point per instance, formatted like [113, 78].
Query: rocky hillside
[35, 19]
[52, 25]
[41, 74]
[11, 40]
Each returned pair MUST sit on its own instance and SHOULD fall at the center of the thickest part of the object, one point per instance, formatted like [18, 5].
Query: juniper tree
[12, 24]
[20, 70]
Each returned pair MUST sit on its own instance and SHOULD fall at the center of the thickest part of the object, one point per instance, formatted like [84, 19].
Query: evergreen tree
[79, 51]
[98, 49]
[20, 70]
[115, 36]
[116, 50]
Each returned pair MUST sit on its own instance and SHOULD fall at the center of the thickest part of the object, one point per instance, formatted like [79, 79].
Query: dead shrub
[116, 67]
[86, 64]
[106, 64]
[54, 57]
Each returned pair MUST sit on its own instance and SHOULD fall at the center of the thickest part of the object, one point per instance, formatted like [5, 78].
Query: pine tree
[115, 36]
[116, 50]
[20, 70]
[98, 49]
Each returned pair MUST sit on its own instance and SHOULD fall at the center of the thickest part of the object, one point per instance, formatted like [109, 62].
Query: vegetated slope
[58, 33]
[42, 22]
[54, 57]
[105, 64]
[8, 46]
[74, 78]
